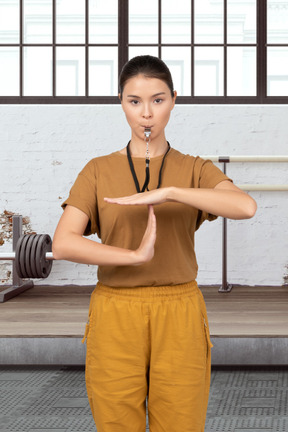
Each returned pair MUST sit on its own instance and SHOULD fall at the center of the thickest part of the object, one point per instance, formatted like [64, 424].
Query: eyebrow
[138, 97]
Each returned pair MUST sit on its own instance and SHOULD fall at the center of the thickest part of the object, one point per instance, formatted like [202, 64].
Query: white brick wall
[42, 149]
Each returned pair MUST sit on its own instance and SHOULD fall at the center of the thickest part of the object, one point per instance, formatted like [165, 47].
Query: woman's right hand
[145, 252]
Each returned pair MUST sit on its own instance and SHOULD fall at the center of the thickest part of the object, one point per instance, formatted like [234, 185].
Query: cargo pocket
[207, 335]
[91, 304]
[205, 321]
[86, 332]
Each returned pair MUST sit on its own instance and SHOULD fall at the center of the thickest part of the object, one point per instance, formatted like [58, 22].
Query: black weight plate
[43, 266]
[38, 255]
[22, 259]
[33, 256]
[28, 255]
[46, 269]
[17, 256]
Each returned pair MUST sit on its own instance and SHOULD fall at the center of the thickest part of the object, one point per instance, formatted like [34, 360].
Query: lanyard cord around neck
[147, 178]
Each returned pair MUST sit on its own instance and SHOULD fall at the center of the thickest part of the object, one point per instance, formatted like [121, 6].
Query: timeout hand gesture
[145, 251]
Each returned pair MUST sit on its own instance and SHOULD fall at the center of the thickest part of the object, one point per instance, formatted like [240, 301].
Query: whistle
[147, 132]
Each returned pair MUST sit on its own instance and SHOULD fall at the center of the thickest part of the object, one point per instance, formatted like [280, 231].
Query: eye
[134, 100]
[158, 101]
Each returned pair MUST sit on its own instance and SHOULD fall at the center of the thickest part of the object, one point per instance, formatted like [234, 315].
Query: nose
[147, 111]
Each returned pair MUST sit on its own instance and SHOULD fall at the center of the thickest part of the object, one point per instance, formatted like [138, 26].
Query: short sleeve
[83, 195]
[207, 175]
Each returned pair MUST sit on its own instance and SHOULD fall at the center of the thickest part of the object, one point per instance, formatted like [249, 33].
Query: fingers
[146, 248]
[122, 200]
[155, 197]
[151, 224]
[151, 214]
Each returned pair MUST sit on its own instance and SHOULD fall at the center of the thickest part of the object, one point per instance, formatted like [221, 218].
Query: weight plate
[38, 252]
[33, 256]
[17, 256]
[28, 256]
[22, 258]
[43, 266]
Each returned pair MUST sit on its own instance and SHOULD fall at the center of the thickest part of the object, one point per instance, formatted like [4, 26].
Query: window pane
[241, 21]
[179, 62]
[277, 71]
[142, 50]
[277, 21]
[70, 71]
[103, 71]
[176, 21]
[241, 71]
[70, 21]
[37, 71]
[208, 21]
[9, 21]
[9, 71]
[37, 19]
[103, 21]
[208, 76]
[143, 21]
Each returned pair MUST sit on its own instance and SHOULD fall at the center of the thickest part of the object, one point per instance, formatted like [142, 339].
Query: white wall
[42, 149]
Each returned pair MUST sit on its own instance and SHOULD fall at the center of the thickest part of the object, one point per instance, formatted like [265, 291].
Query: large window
[71, 51]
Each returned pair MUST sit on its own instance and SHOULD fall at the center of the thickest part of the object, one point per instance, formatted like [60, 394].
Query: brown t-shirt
[174, 261]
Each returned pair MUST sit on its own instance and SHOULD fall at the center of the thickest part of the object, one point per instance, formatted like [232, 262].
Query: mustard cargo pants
[148, 341]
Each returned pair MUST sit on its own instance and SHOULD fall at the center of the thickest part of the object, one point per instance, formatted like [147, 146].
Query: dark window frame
[123, 46]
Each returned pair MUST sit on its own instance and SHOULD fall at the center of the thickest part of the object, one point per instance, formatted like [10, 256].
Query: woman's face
[147, 102]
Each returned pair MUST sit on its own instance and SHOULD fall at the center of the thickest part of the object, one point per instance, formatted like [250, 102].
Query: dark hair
[150, 67]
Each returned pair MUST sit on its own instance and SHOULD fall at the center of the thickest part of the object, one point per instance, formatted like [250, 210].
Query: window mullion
[192, 48]
[21, 49]
[54, 48]
[123, 31]
[159, 29]
[86, 48]
[225, 48]
[261, 50]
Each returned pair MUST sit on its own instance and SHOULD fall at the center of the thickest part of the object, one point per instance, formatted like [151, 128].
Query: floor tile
[54, 399]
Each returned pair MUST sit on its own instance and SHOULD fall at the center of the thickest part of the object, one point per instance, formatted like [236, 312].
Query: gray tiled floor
[53, 399]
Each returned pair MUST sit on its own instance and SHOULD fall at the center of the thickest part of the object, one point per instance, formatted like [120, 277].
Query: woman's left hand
[157, 196]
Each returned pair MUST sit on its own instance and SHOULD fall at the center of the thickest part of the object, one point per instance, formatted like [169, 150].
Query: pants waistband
[149, 292]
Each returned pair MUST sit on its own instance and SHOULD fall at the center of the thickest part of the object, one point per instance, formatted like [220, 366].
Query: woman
[148, 332]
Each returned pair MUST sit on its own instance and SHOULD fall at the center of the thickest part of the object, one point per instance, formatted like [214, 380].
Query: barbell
[33, 256]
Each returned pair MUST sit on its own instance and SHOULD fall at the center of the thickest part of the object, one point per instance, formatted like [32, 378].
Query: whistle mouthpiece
[147, 132]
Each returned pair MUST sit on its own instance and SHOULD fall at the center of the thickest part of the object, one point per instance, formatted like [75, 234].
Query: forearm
[75, 248]
[226, 203]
